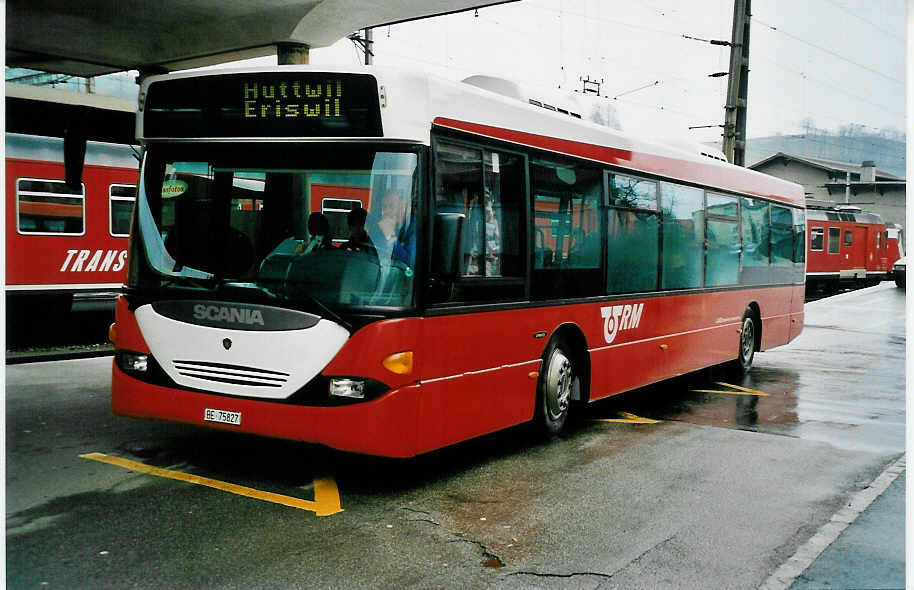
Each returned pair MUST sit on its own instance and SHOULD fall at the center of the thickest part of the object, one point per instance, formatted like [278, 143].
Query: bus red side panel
[476, 373]
[476, 367]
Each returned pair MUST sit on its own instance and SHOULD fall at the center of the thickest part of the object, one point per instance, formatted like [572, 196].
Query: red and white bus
[847, 246]
[64, 242]
[519, 260]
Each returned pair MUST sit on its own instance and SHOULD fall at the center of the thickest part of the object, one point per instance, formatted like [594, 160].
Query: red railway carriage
[846, 246]
[62, 241]
[515, 260]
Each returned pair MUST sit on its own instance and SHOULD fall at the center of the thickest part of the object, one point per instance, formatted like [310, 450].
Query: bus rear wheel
[747, 338]
[556, 388]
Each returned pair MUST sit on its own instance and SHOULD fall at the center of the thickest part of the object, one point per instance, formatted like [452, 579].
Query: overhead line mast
[738, 86]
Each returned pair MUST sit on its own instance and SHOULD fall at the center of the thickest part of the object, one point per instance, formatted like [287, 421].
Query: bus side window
[722, 253]
[568, 232]
[781, 245]
[683, 236]
[755, 217]
[501, 249]
[633, 235]
[799, 245]
[488, 187]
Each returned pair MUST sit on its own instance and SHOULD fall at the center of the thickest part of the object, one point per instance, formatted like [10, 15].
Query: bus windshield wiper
[326, 311]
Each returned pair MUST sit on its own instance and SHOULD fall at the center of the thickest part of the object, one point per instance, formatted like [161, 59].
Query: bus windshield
[328, 223]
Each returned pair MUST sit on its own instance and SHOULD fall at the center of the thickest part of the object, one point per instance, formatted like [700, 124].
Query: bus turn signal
[400, 363]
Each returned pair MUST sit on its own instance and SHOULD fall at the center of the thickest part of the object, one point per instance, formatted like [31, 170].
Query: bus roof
[412, 104]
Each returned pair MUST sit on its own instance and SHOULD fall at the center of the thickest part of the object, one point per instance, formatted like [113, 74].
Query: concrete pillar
[288, 54]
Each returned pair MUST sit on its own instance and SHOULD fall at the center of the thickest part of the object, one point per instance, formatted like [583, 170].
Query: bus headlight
[351, 388]
[134, 362]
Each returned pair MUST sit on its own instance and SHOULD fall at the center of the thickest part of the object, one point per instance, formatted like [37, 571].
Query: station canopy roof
[95, 37]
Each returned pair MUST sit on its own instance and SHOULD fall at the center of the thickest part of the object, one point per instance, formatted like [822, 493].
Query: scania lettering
[514, 259]
[228, 314]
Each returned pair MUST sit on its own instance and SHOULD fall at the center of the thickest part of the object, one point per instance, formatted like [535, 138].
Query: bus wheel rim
[559, 381]
[747, 340]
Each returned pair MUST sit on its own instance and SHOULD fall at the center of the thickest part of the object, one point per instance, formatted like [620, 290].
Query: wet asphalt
[719, 492]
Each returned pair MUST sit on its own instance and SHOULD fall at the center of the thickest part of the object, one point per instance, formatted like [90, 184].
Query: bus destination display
[322, 100]
[296, 104]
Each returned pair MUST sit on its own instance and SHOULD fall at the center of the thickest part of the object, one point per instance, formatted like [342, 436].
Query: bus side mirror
[446, 248]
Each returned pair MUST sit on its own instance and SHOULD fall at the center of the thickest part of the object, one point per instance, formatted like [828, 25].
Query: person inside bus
[358, 238]
[319, 232]
[493, 238]
[482, 249]
[392, 235]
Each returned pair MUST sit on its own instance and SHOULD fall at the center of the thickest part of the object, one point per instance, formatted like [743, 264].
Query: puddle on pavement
[835, 407]
[765, 400]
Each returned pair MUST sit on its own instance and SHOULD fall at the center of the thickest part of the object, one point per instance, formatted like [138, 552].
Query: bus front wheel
[556, 388]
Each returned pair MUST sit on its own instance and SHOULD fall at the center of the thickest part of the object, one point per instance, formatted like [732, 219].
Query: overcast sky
[833, 62]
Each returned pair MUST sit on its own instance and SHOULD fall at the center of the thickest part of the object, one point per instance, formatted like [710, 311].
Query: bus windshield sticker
[173, 188]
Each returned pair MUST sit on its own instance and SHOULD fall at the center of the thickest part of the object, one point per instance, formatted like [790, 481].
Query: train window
[817, 239]
[683, 236]
[121, 198]
[337, 213]
[834, 240]
[848, 238]
[50, 207]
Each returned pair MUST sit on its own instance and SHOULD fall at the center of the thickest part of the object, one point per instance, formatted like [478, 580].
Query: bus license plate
[222, 416]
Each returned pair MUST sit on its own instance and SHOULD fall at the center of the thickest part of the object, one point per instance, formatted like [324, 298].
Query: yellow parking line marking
[628, 419]
[326, 495]
[739, 390]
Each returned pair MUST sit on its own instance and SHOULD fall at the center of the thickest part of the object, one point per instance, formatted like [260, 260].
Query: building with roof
[863, 185]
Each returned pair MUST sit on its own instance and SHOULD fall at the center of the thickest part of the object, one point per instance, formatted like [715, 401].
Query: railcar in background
[66, 247]
[847, 247]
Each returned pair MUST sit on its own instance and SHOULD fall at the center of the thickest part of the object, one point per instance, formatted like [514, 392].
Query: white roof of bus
[413, 101]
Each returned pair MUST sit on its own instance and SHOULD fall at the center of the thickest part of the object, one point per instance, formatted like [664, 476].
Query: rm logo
[620, 317]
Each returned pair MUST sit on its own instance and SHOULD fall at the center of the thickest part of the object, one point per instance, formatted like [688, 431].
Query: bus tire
[747, 345]
[555, 388]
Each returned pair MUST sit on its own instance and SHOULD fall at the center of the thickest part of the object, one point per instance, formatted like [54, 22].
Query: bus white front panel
[249, 363]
